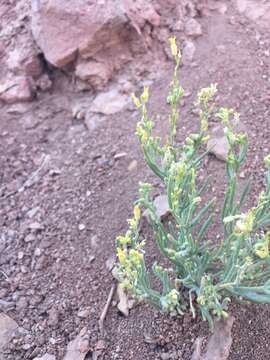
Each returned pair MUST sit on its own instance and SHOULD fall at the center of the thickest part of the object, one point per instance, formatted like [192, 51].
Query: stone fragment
[79, 347]
[188, 52]
[219, 147]
[193, 28]
[17, 89]
[84, 313]
[219, 344]
[132, 166]
[53, 317]
[162, 208]
[110, 102]
[24, 60]
[7, 327]
[44, 83]
[124, 304]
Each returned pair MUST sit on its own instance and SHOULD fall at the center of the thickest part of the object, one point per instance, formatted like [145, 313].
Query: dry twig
[105, 310]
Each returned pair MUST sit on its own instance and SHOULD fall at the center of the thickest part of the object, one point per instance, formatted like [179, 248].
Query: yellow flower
[205, 138]
[132, 223]
[135, 257]
[245, 224]
[206, 94]
[121, 255]
[144, 137]
[204, 125]
[135, 100]
[174, 49]
[145, 94]
[173, 295]
[137, 213]
[123, 240]
[261, 249]
[201, 300]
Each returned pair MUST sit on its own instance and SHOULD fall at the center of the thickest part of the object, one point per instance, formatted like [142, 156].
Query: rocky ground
[70, 167]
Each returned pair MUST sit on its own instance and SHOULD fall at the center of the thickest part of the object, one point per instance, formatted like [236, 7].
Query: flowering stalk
[238, 267]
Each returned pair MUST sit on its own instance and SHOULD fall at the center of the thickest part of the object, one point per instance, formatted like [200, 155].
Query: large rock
[99, 32]
[65, 29]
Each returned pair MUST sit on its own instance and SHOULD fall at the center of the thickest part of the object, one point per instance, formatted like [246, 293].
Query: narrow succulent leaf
[202, 212]
[205, 226]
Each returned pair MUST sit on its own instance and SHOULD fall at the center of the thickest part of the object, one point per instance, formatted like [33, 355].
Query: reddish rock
[24, 60]
[98, 34]
[17, 89]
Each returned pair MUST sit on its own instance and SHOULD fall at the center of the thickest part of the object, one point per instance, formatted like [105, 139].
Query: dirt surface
[58, 230]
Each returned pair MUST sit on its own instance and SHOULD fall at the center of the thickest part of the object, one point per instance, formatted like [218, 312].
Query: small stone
[94, 241]
[110, 263]
[27, 347]
[81, 227]
[52, 340]
[219, 147]
[3, 293]
[133, 165]
[37, 252]
[31, 213]
[35, 226]
[20, 255]
[161, 205]
[123, 301]
[41, 262]
[53, 317]
[193, 28]
[109, 103]
[120, 155]
[166, 356]
[7, 327]
[242, 175]
[188, 52]
[44, 83]
[78, 348]
[78, 111]
[35, 300]
[84, 313]
[93, 120]
[84, 346]
[100, 345]
[24, 269]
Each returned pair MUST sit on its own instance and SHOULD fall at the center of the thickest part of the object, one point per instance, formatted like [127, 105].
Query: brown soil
[83, 196]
